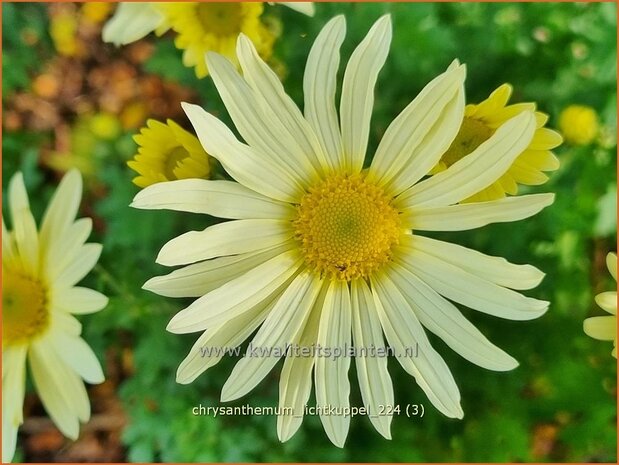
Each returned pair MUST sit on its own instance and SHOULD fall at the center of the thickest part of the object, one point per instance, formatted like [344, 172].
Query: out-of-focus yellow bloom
[96, 12]
[604, 328]
[133, 115]
[105, 126]
[579, 124]
[63, 30]
[167, 152]
[480, 123]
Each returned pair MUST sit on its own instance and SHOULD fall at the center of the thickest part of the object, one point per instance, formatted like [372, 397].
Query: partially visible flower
[167, 152]
[63, 31]
[604, 328]
[105, 125]
[40, 270]
[201, 26]
[481, 122]
[579, 124]
[96, 12]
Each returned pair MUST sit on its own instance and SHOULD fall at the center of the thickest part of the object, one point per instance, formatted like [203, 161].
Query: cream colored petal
[132, 21]
[198, 279]
[415, 141]
[78, 300]
[237, 296]
[374, 380]
[61, 391]
[320, 85]
[461, 217]
[307, 8]
[230, 238]
[608, 301]
[61, 210]
[477, 170]
[257, 121]
[240, 161]
[67, 249]
[75, 271]
[280, 329]
[224, 199]
[300, 139]
[611, 263]
[331, 372]
[295, 382]
[24, 227]
[407, 337]
[13, 390]
[445, 320]
[603, 328]
[471, 290]
[77, 355]
[358, 92]
[209, 348]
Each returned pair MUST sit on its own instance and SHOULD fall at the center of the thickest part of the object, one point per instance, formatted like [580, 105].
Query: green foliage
[553, 53]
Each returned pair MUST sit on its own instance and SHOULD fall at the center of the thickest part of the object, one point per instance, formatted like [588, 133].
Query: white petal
[611, 263]
[78, 300]
[415, 141]
[61, 391]
[237, 296]
[61, 210]
[209, 348]
[471, 290]
[279, 330]
[240, 161]
[78, 356]
[446, 321]
[494, 269]
[198, 279]
[331, 373]
[603, 328]
[232, 237]
[224, 199]
[300, 139]
[131, 21]
[79, 267]
[608, 301]
[13, 390]
[374, 380]
[68, 248]
[8, 251]
[461, 217]
[358, 92]
[257, 122]
[477, 170]
[24, 227]
[319, 87]
[307, 8]
[405, 334]
[295, 382]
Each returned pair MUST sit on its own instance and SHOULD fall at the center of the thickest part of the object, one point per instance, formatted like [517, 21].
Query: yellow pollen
[220, 18]
[24, 308]
[472, 134]
[347, 227]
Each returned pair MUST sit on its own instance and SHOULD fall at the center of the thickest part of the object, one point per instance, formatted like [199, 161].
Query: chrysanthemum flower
[40, 270]
[322, 252]
[604, 328]
[201, 26]
[579, 124]
[167, 152]
[481, 121]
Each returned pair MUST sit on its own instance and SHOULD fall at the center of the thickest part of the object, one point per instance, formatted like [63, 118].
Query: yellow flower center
[472, 134]
[173, 159]
[347, 227]
[24, 308]
[220, 18]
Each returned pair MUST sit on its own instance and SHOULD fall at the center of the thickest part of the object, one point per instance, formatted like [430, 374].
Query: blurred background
[69, 100]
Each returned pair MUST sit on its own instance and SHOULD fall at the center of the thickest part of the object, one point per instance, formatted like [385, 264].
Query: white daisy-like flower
[40, 270]
[604, 328]
[324, 253]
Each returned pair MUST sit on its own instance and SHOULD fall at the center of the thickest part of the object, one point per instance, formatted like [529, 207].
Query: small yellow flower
[96, 12]
[604, 328]
[204, 27]
[63, 31]
[167, 152]
[105, 126]
[579, 124]
[481, 122]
